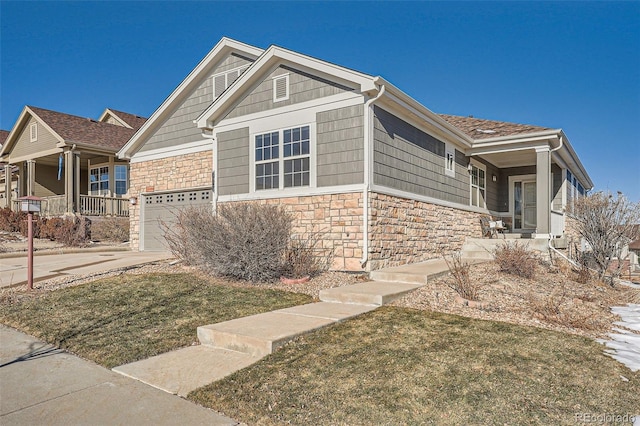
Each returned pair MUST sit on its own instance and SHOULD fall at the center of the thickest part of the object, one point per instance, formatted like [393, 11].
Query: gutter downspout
[551, 192]
[367, 180]
[214, 178]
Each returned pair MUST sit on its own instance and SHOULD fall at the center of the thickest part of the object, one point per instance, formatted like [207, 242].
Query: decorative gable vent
[281, 88]
[224, 80]
[33, 132]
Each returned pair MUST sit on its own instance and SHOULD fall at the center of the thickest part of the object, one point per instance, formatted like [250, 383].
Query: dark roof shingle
[74, 129]
[478, 128]
[132, 120]
[4, 134]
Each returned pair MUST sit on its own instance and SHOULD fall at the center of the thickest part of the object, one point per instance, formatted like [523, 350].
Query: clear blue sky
[569, 65]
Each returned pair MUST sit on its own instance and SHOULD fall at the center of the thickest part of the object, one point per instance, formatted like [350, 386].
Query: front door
[525, 215]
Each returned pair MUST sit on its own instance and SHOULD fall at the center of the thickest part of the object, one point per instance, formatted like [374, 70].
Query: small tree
[608, 224]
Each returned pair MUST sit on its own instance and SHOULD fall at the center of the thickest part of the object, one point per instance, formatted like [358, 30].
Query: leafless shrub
[110, 229]
[247, 241]
[306, 257]
[516, 259]
[75, 231]
[556, 308]
[461, 282]
[607, 224]
[583, 274]
[10, 221]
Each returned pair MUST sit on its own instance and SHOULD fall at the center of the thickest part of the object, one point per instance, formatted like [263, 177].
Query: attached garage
[162, 208]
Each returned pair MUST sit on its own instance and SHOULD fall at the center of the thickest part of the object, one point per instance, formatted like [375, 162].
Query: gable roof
[179, 94]
[128, 120]
[85, 131]
[478, 128]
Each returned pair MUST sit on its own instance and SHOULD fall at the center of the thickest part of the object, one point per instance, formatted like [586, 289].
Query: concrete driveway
[13, 270]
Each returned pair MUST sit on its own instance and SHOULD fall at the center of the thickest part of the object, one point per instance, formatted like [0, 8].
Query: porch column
[76, 181]
[543, 192]
[31, 177]
[112, 184]
[7, 184]
[68, 181]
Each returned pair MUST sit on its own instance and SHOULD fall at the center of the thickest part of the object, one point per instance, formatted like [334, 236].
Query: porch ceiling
[512, 158]
[52, 159]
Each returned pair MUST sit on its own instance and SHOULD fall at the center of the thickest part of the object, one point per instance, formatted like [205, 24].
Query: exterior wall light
[133, 201]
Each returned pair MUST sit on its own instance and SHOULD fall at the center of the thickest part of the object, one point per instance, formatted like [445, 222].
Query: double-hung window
[478, 186]
[282, 159]
[99, 180]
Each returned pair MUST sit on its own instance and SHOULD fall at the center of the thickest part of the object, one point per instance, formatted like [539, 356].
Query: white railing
[103, 206]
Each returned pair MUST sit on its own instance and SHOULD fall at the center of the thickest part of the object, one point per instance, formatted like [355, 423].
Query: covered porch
[70, 182]
[528, 182]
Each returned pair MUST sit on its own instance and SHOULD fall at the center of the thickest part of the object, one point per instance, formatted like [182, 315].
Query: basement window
[281, 88]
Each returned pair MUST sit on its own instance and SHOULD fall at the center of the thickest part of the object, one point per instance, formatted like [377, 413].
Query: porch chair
[491, 228]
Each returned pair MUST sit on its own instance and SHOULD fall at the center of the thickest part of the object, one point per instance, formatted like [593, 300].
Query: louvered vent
[232, 76]
[219, 83]
[281, 88]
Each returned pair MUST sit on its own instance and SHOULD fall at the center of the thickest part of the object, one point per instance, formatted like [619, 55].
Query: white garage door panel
[163, 208]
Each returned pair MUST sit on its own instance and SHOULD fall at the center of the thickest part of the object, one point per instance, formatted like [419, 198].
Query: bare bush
[10, 221]
[74, 231]
[461, 282]
[114, 229]
[246, 241]
[306, 257]
[607, 224]
[516, 259]
[558, 308]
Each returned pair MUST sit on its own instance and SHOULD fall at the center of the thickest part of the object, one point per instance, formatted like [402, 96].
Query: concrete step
[476, 255]
[372, 293]
[183, 370]
[261, 334]
[489, 245]
[415, 273]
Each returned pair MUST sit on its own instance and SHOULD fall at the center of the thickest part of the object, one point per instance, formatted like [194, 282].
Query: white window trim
[449, 151]
[284, 77]
[226, 73]
[312, 159]
[482, 167]
[112, 191]
[33, 132]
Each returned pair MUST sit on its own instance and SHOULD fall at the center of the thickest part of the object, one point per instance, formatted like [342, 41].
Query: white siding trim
[280, 84]
[449, 150]
[166, 152]
[423, 198]
[293, 192]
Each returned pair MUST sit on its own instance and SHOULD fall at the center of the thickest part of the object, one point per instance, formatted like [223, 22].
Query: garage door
[163, 208]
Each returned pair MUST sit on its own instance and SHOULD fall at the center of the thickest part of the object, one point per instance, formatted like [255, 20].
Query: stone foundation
[407, 231]
[337, 216]
[165, 174]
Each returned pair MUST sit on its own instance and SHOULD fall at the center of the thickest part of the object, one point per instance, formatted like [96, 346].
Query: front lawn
[404, 366]
[126, 318]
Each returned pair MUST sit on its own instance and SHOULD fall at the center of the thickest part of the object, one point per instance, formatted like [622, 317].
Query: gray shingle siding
[179, 128]
[302, 87]
[340, 146]
[408, 159]
[233, 162]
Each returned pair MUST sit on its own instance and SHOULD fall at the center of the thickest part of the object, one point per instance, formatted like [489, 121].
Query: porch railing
[103, 206]
[90, 205]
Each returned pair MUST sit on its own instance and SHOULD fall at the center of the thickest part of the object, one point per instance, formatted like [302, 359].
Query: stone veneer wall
[166, 174]
[337, 216]
[407, 231]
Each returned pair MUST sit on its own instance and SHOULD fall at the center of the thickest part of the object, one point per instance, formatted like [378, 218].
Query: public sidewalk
[40, 384]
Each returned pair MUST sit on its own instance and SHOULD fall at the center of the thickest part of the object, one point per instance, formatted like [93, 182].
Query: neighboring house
[4, 134]
[634, 256]
[70, 161]
[353, 156]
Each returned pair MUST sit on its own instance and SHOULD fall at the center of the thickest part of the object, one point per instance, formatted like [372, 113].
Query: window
[33, 132]
[121, 180]
[225, 79]
[478, 186]
[281, 88]
[290, 170]
[99, 181]
[450, 161]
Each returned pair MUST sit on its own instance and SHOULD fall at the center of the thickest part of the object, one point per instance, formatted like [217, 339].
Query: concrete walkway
[232, 345]
[40, 384]
[13, 270]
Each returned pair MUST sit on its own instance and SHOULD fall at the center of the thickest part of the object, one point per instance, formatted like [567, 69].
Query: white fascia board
[545, 134]
[291, 112]
[292, 192]
[425, 199]
[569, 149]
[107, 111]
[172, 151]
[271, 57]
[508, 147]
[406, 101]
[224, 46]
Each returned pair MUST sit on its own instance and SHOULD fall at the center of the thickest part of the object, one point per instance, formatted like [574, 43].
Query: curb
[64, 250]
